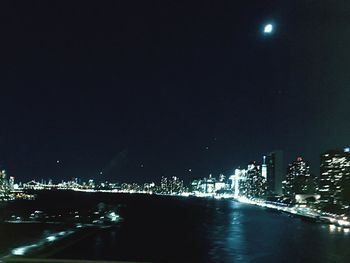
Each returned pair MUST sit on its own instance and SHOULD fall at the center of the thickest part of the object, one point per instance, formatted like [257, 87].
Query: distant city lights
[298, 193]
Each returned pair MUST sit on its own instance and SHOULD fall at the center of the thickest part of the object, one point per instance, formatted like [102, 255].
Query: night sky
[141, 89]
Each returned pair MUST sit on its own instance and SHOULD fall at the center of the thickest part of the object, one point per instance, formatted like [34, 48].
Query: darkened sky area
[137, 89]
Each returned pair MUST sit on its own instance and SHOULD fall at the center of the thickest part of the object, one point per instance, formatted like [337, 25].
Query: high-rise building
[298, 179]
[275, 174]
[171, 185]
[264, 168]
[238, 182]
[334, 185]
[255, 183]
[3, 182]
[176, 185]
[12, 182]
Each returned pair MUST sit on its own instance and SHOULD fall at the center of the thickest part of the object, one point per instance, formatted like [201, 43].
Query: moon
[268, 28]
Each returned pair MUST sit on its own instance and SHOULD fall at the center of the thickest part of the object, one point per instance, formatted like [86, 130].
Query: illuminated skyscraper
[238, 182]
[255, 183]
[12, 182]
[275, 173]
[171, 185]
[334, 184]
[264, 168]
[298, 179]
[3, 182]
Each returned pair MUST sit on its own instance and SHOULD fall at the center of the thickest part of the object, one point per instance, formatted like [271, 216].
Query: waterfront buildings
[212, 185]
[238, 182]
[4, 185]
[254, 185]
[265, 180]
[171, 185]
[334, 184]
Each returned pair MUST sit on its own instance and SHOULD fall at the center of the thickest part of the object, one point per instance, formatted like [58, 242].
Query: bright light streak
[22, 250]
[51, 238]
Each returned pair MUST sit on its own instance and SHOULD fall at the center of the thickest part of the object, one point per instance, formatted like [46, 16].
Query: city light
[258, 184]
[51, 238]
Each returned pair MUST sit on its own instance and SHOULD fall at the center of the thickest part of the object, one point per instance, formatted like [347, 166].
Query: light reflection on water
[161, 229]
[242, 233]
[23, 250]
[229, 238]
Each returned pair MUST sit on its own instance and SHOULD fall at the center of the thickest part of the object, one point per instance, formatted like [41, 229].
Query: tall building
[171, 185]
[3, 182]
[264, 168]
[12, 182]
[238, 182]
[255, 183]
[275, 173]
[334, 185]
[298, 179]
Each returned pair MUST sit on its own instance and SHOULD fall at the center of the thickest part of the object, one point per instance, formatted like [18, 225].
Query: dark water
[169, 229]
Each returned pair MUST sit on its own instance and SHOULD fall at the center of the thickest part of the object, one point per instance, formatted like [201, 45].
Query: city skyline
[278, 169]
[257, 182]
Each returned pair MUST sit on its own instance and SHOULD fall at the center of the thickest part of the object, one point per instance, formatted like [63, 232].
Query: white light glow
[23, 250]
[51, 238]
[332, 228]
[20, 251]
[343, 223]
[268, 28]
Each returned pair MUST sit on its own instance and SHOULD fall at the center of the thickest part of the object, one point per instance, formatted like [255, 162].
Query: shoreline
[305, 213]
[45, 245]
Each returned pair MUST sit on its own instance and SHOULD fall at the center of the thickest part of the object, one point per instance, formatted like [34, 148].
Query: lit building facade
[254, 184]
[298, 179]
[12, 182]
[264, 168]
[334, 184]
[3, 182]
[238, 182]
[221, 184]
[171, 185]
